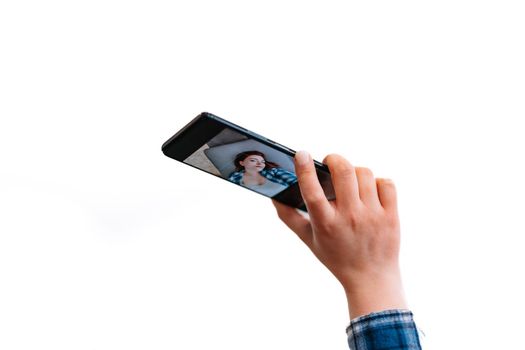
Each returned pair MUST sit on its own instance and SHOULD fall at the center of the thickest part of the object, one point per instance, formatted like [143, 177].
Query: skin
[356, 236]
[253, 164]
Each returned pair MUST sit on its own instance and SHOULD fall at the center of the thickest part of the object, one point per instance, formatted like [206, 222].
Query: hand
[356, 236]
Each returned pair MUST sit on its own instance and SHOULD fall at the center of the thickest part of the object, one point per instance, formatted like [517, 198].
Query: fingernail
[302, 157]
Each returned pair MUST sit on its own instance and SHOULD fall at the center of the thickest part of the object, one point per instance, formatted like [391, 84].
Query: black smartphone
[240, 156]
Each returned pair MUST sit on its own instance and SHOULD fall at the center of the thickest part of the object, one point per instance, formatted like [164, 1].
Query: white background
[105, 243]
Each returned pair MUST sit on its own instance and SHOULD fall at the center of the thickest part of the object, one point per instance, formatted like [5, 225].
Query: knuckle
[354, 217]
[346, 172]
[315, 199]
[363, 219]
[321, 223]
[386, 182]
[362, 171]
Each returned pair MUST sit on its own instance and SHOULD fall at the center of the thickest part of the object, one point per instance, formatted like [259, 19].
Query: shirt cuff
[388, 329]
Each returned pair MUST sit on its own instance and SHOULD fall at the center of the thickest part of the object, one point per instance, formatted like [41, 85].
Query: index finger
[313, 194]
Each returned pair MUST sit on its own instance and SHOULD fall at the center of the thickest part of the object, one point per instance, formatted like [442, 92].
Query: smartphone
[242, 157]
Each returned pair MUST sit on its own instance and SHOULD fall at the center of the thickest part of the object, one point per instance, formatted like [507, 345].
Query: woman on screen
[253, 171]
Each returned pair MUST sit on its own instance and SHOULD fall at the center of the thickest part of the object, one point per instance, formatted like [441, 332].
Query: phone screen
[245, 162]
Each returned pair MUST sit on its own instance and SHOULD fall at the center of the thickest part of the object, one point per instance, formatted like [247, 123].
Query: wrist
[374, 294]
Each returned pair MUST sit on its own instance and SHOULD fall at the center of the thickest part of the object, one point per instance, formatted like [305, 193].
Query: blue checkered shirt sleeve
[235, 177]
[385, 330]
[284, 177]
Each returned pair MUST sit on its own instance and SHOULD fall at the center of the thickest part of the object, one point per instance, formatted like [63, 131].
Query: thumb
[295, 221]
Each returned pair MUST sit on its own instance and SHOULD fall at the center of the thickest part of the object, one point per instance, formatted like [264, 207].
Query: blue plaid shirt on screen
[281, 176]
[385, 330]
